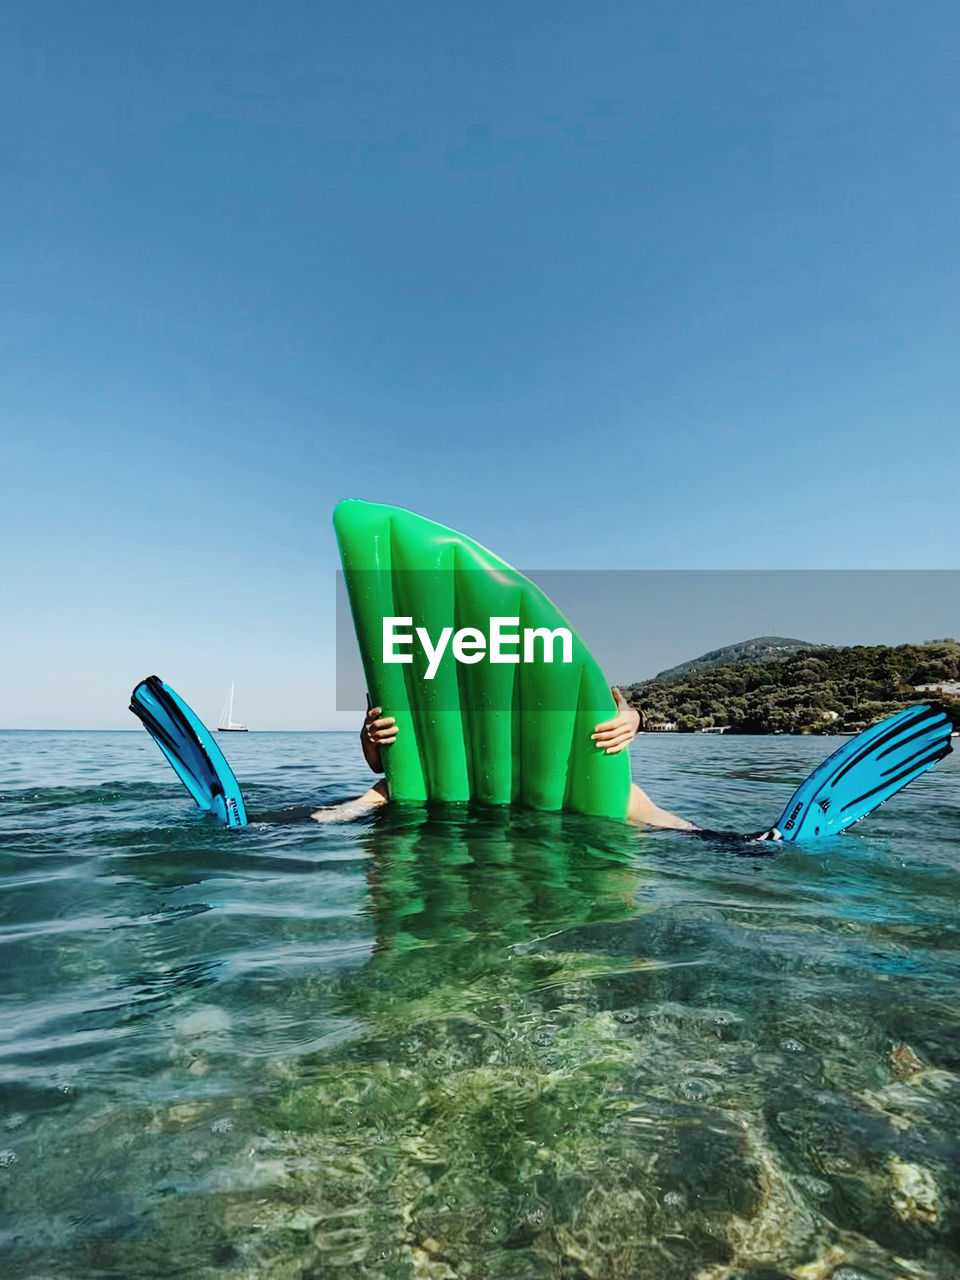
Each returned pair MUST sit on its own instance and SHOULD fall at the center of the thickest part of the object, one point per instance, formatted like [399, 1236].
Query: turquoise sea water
[464, 1044]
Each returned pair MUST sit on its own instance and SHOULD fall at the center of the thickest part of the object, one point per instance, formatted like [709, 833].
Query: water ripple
[465, 1043]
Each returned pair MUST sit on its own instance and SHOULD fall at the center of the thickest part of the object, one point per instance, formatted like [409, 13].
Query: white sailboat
[227, 724]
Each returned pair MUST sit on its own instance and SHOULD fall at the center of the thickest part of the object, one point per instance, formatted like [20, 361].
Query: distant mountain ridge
[759, 649]
[774, 685]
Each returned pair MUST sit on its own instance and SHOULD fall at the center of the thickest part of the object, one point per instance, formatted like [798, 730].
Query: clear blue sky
[608, 285]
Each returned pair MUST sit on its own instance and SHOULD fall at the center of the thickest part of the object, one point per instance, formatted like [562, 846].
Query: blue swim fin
[190, 748]
[865, 772]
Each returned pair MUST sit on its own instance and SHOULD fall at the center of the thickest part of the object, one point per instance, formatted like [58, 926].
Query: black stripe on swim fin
[870, 748]
[190, 749]
[867, 771]
[908, 775]
[206, 780]
[213, 785]
[927, 732]
[206, 783]
[916, 756]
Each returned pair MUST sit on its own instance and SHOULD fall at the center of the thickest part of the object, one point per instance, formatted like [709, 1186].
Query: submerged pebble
[697, 1089]
[904, 1062]
[853, 1273]
[915, 1195]
[205, 1021]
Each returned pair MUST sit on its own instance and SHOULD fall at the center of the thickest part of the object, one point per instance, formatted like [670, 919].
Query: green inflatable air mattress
[498, 733]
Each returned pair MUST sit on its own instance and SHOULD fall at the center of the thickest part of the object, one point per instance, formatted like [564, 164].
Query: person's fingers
[384, 722]
[613, 735]
[605, 726]
[604, 739]
[373, 712]
[611, 726]
[388, 733]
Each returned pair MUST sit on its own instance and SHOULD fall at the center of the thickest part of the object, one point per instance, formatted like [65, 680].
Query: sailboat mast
[227, 722]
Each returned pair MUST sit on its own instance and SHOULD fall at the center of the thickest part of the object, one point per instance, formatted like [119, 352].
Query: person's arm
[643, 811]
[350, 809]
[378, 731]
[613, 735]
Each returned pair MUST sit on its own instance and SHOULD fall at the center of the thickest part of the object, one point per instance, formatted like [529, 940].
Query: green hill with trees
[759, 649]
[812, 690]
